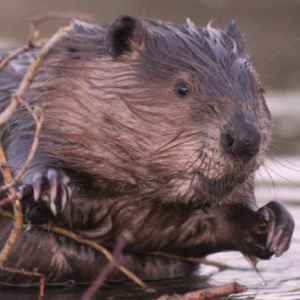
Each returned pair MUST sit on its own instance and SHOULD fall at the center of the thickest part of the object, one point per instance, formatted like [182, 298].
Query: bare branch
[35, 21]
[4, 60]
[10, 183]
[39, 124]
[4, 117]
[9, 199]
[11, 166]
[31, 72]
[77, 238]
[17, 99]
[118, 258]
[210, 293]
[31, 274]
[18, 220]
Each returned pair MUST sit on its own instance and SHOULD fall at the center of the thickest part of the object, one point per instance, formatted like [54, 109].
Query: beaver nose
[242, 142]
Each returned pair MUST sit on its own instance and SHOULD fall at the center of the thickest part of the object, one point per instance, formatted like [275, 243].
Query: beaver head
[176, 112]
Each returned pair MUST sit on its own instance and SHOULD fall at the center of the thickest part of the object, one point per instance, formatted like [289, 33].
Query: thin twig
[118, 258]
[8, 112]
[210, 293]
[4, 117]
[31, 274]
[77, 238]
[17, 99]
[10, 183]
[35, 21]
[97, 247]
[31, 72]
[33, 24]
[18, 219]
[11, 166]
[39, 124]
[108, 255]
[4, 60]
[9, 199]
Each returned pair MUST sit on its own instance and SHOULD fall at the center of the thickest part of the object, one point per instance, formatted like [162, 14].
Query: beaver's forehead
[208, 65]
[208, 54]
[194, 42]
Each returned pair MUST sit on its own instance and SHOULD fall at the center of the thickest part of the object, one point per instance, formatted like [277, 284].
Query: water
[281, 274]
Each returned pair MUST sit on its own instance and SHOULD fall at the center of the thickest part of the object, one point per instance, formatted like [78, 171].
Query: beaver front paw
[280, 227]
[45, 198]
[269, 232]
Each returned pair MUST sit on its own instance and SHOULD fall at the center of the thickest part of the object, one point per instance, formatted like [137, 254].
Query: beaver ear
[125, 34]
[236, 35]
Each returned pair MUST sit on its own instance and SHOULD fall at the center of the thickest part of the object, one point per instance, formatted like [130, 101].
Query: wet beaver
[153, 128]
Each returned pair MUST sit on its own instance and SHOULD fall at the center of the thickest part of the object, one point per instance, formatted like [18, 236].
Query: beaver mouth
[222, 187]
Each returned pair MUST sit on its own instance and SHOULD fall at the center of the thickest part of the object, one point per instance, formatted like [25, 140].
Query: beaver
[154, 129]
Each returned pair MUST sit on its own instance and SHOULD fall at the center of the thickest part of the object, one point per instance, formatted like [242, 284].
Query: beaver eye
[182, 90]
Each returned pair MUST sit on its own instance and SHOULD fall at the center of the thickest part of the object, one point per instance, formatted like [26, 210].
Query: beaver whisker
[195, 161]
[209, 167]
[206, 179]
[162, 148]
[267, 167]
[202, 162]
[282, 142]
[216, 171]
[277, 162]
[184, 141]
[270, 177]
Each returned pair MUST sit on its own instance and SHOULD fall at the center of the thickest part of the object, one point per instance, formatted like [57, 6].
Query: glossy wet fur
[126, 152]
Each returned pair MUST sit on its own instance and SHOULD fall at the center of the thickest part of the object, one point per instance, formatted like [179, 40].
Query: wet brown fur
[137, 156]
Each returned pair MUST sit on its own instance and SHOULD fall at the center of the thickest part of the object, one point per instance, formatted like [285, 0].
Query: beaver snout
[241, 141]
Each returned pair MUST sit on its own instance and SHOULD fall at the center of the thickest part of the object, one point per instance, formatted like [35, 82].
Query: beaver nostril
[229, 140]
[242, 142]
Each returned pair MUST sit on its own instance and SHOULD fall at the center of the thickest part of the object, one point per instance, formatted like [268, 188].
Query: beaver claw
[280, 227]
[44, 198]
